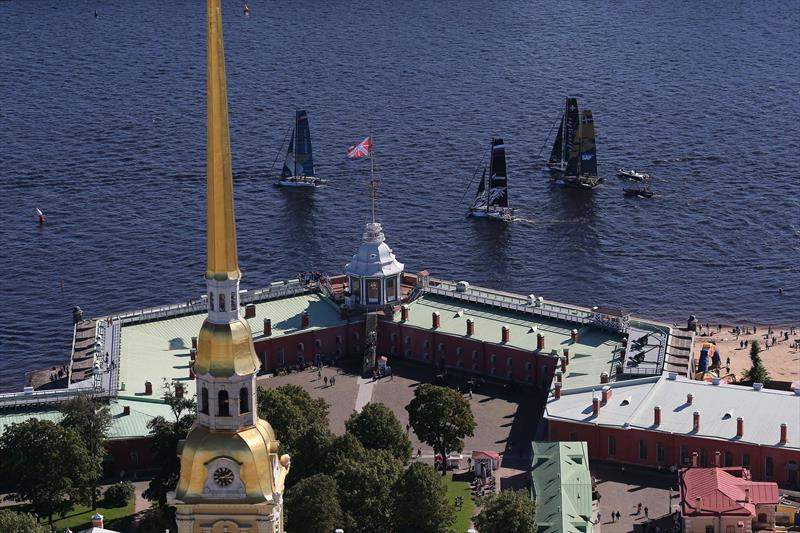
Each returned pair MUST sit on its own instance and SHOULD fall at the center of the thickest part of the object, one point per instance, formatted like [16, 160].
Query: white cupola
[374, 274]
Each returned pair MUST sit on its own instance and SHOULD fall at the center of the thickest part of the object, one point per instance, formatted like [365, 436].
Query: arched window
[204, 401]
[233, 301]
[222, 404]
[222, 302]
[210, 301]
[300, 347]
[244, 401]
[769, 469]
[612, 445]
[728, 459]
[746, 460]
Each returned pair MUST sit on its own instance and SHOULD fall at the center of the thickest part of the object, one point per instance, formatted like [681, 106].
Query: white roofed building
[374, 274]
[662, 421]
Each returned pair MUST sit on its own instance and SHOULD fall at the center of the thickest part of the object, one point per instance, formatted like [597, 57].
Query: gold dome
[254, 449]
[224, 350]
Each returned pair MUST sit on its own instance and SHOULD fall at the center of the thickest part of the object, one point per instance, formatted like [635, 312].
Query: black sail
[303, 154]
[497, 194]
[558, 146]
[571, 121]
[588, 148]
[480, 196]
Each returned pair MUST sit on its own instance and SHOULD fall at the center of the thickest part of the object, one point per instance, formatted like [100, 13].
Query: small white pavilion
[374, 274]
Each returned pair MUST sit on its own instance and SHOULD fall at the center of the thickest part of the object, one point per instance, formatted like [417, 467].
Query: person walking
[326, 381]
[646, 513]
[599, 517]
[639, 508]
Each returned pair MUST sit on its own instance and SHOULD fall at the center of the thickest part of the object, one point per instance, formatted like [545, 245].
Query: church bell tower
[231, 477]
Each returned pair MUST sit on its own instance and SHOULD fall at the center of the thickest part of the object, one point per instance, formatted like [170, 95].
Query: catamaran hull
[505, 215]
[582, 183]
[303, 181]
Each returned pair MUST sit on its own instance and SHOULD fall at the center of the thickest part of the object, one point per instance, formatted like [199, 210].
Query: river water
[102, 125]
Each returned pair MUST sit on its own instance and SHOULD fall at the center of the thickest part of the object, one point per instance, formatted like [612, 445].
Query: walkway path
[364, 396]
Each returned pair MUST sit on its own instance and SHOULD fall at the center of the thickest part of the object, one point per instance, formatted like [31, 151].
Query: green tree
[92, 421]
[165, 437]
[47, 465]
[178, 403]
[509, 511]
[301, 425]
[365, 490]
[441, 417]
[312, 505]
[11, 522]
[377, 428]
[757, 372]
[420, 501]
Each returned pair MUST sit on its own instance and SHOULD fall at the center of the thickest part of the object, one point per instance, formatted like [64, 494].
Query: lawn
[81, 517]
[460, 488]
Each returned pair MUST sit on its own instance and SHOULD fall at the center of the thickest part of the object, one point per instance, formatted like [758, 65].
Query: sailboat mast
[296, 145]
[564, 154]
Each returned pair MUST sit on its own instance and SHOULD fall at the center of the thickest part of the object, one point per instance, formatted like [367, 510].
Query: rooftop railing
[507, 300]
[45, 397]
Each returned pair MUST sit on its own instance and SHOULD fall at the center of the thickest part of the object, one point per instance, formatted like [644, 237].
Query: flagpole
[372, 173]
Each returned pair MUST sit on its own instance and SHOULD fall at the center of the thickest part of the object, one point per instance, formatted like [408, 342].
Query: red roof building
[726, 500]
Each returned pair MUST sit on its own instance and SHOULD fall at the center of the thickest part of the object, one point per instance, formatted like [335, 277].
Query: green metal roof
[151, 351]
[562, 487]
[593, 354]
[122, 426]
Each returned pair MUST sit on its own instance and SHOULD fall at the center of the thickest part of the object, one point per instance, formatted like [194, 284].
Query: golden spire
[223, 262]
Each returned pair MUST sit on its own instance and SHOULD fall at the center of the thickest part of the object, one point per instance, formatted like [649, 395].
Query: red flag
[362, 149]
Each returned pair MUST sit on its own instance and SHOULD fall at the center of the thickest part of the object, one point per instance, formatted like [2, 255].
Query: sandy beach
[781, 359]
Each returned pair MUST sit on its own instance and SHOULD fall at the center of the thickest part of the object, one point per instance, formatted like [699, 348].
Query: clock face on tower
[223, 476]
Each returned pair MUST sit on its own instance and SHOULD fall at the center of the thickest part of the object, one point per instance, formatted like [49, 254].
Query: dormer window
[222, 404]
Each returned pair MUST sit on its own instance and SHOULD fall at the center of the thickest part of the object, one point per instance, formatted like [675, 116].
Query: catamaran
[298, 167]
[581, 171]
[562, 144]
[491, 200]
[634, 175]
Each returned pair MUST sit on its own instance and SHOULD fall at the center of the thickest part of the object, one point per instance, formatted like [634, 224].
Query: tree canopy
[178, 403]
[441, 417]
[92, 421]
[301, 425]
[377, 428]
[12, 522]
[420, 501]
[507, 512]
[47, 465]
[165, 437]
[312, 505]
[757, 373]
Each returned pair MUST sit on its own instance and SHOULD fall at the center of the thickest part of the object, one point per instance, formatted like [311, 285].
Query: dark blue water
[102, 125]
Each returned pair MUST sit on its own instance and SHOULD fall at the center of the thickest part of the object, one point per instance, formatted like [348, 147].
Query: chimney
[696, 421]
[566, 356]
[470, 327]
[250, 311]
[574, 335]
[304, 320]
[539, 341]
[126, 410]
[148, 388]
[436, 319]
[657, 416]
[404, 312]
[747, 494]
[698, 502]
[193, 353]
[689, 398]
[194, 342]
[191, 371]
[716, 459]
[595, 406]
[694, 459]
[603, 377]
[557, 391]
[559, 376]
[504, 334]
[178, 390]
[267, 327]
[740, 427]
[97, 520]
[606, 394]
[563, 364]
[784, 433]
